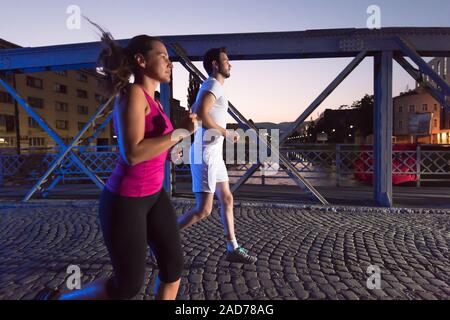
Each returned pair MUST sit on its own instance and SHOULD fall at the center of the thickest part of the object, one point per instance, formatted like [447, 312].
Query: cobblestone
[304, 252]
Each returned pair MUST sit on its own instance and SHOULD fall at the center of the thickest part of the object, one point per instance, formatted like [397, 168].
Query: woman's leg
[123, 225]
[164, 238]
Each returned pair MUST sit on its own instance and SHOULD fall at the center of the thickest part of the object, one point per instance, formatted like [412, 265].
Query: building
[410, 106]
[441, 67]
[65, 100]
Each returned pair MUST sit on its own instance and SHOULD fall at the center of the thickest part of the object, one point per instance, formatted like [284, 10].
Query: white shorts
[209, 172]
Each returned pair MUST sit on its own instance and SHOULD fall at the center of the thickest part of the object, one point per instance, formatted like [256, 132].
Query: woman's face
[158, 65]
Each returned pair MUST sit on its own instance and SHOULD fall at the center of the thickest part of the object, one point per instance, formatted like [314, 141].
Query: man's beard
[224, 73]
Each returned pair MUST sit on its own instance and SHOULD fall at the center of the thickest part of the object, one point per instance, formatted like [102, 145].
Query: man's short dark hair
[210, 56]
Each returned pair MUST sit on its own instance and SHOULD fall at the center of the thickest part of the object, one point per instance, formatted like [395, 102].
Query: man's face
[224, 65]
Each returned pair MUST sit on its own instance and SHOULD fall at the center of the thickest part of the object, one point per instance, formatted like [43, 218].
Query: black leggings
[128, 225]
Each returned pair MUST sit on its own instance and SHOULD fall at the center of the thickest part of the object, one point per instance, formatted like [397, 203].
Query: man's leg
[235, 252]
[202, 209]
[225, 197]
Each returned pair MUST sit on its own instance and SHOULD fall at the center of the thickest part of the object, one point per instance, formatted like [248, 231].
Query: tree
[365, 116]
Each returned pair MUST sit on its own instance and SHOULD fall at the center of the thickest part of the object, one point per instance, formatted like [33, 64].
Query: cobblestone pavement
[304, 252]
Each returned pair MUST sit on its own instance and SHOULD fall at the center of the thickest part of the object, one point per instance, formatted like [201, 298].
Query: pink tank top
[145, 178]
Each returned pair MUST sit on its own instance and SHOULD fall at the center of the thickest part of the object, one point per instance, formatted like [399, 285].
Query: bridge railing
[345, 165]
[330, 164]
[31, 163]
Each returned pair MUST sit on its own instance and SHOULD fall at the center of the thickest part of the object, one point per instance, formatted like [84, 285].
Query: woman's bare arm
[134, 147]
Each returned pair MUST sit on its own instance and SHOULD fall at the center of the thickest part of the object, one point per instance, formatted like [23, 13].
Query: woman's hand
[189, 122]
[176, 154]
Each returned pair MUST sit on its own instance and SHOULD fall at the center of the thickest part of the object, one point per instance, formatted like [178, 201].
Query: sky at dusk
[275, 90]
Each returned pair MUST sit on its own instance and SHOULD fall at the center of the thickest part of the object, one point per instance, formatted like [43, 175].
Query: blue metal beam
[243, 122]
[66, 149]
[100, 128]
[245, 46]
[165, 101]
[417, 75]
[310, 109]
[382, 128]
[411, 52]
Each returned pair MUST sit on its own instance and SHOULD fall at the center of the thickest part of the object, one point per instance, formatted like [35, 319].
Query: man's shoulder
[211, 81]
[212, 85]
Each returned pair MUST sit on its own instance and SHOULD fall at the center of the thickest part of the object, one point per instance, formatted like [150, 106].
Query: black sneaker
[240, 255]
[47, 294]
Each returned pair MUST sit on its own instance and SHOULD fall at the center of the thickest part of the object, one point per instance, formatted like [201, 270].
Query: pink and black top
[145, 178]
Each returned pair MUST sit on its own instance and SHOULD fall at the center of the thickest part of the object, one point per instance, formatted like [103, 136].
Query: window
[400, 124]
[435, 123]
[82, 77]
[62, 124]
[438, 67]
[424, 107]
[435, 107]
[61, 106]
[36, 141]
[82, 94]
[400, 109]
[34, 82]
[36, 102]
[32, 123]
[412, 108]
[81, 125]
[83, 110]
[60, 88]
[5, 97]
[9, 122]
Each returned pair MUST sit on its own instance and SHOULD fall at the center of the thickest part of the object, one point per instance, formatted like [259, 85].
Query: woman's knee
[171, 268]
